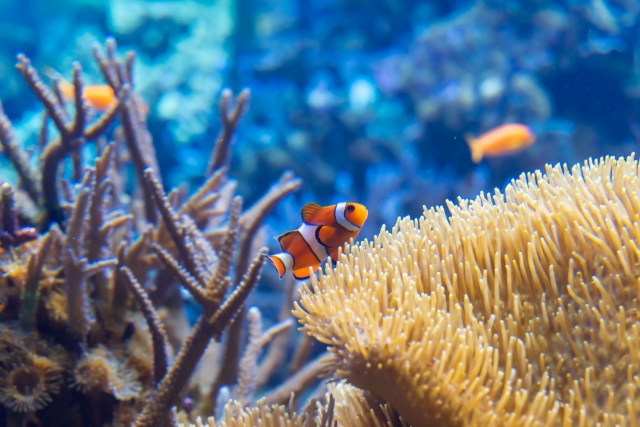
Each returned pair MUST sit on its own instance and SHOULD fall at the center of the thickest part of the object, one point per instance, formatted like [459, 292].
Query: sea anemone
[517, 309]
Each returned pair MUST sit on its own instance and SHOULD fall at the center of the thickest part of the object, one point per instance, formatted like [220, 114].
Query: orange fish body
[502, 140]
[99, 97]
[323, 231]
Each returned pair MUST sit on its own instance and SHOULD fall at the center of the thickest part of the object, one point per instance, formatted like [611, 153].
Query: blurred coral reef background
[364, 100]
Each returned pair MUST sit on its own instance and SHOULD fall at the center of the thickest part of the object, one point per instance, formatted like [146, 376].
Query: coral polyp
[101, 369]
[28, 381]
[31, 371]
[13, 273]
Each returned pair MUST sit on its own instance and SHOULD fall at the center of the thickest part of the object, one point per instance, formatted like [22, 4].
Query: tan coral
[115, 246]
[349, 409]
[55, 302]
[235, 415]
[516, 309]
[126, 411]
[105, 369]
[30, 371]
[352, 409]
[139, 347]
[13, 272]
[27, 382]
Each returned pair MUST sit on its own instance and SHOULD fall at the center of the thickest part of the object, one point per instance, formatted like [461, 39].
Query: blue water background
[366, 100]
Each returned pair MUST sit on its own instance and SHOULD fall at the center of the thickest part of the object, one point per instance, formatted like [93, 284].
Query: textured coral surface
[516, 309]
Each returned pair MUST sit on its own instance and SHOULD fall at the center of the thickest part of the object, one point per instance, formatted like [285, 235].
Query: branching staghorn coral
[72, 134]
[106, 260]
[516, 309]
[253, 371]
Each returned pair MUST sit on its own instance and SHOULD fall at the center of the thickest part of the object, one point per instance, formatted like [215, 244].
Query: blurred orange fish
[99, 97]
[502, 140]
[323, 231]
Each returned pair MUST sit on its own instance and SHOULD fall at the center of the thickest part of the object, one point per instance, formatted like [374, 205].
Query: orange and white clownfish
[323, 231]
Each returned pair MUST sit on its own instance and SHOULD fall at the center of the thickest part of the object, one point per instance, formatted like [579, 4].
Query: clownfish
[99, 97]
[323, 231]
[504, 139]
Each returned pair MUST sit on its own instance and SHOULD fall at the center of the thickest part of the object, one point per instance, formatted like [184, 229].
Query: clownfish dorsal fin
[286, 239]
[308, 212]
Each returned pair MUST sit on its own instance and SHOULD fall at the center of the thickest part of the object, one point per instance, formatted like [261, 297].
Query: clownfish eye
[350, 208]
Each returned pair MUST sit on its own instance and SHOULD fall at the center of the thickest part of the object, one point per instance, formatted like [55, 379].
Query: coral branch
[300, 380]
[213, 286]
[31, 292]
[80, 119]
[201, 205]
[107, 67]
[68, 142]
[42, 91]
[97, 128]
[228, 310]
[158, 333]
[249, 362]
[19, 160]
[185, 279]
[78, 307]
[118, 75]
[301, 353]
[277, 338]
[173, 225]
[230, 121]
[155, 412]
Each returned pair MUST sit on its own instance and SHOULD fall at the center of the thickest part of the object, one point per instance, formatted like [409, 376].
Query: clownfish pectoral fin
[309, 211]
[301, 273]
[287, 239]
[282, 262]
[324, 234]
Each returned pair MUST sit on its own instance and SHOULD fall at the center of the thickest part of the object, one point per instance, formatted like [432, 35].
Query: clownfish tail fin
[283, 262]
